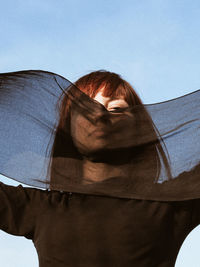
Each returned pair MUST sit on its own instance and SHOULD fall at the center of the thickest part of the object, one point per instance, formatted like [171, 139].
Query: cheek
[84, 138]
[78, 126]
[123, 132]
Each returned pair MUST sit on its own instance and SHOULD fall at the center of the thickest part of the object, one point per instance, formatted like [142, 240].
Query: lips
[99, 133]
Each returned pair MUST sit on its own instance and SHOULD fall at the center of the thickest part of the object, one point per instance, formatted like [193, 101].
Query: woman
[111, 133]
[103, 205]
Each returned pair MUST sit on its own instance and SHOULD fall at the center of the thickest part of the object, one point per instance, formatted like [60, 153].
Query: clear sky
[153, 44]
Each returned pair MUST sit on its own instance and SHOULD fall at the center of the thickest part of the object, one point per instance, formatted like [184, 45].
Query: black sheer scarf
[147, 152]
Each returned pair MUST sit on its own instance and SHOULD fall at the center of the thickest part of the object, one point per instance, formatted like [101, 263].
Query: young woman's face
[107, 131]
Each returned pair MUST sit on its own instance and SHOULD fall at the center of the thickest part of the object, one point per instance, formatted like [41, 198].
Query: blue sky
[153, 44]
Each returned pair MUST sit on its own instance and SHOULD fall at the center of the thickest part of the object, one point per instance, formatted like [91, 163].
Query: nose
[102, 118]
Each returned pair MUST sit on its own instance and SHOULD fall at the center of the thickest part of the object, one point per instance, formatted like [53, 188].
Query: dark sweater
[82, 230]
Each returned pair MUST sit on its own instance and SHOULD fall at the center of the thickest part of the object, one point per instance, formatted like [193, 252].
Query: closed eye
[116, 109]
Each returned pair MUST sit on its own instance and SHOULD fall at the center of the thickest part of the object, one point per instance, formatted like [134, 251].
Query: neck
[94, 172]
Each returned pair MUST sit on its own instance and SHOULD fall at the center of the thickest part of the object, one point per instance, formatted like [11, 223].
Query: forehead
[105, 100]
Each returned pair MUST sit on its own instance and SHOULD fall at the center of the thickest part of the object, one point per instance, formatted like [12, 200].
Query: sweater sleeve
[17, 210]
[195, 212]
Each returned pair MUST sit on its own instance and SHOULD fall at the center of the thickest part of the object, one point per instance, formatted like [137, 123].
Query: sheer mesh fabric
[147, 151]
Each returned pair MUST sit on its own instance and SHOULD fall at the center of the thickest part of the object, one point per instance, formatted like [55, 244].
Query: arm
[17, 210]
[195, 212]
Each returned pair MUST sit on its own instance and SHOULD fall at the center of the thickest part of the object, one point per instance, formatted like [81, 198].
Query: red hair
[91, 84]
[114, 86]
